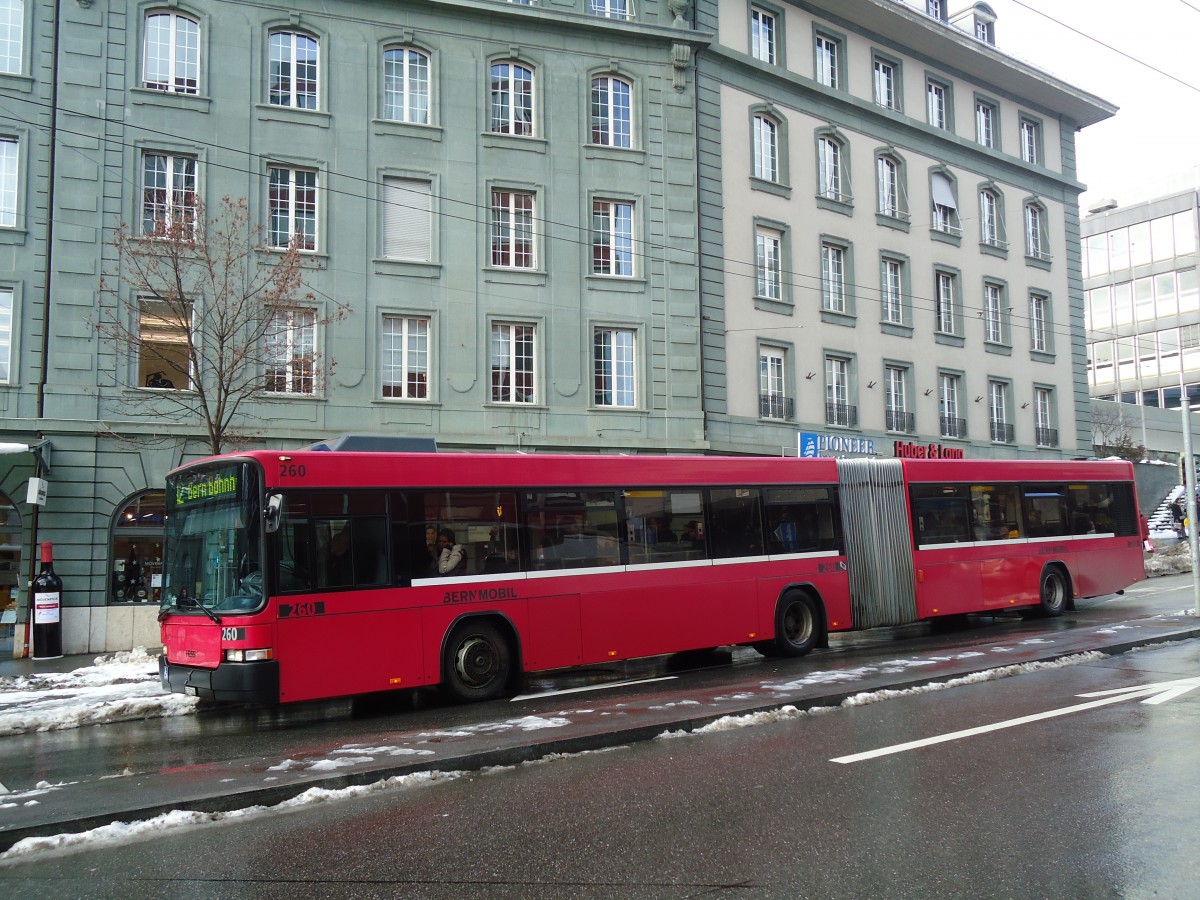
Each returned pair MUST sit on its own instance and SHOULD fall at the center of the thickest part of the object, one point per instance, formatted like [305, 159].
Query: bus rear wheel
[477, 662]
[1052, 593]
[797, 625]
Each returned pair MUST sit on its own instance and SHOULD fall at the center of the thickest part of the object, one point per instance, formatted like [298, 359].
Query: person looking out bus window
[452, 558]
[339, 567]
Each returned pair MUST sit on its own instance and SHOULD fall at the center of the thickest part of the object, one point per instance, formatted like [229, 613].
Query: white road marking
[593, 687]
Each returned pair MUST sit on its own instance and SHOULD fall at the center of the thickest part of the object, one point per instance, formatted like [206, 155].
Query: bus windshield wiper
[208, 612]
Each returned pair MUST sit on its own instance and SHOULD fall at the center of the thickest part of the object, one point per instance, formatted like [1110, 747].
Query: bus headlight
[249, 655]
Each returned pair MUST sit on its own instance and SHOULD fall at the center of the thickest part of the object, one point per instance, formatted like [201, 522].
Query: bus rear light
[249, 655]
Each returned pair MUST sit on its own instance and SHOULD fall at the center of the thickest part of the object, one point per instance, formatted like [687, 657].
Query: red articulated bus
[315, 573]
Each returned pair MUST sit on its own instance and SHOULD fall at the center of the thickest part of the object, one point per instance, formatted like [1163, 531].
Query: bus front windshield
[213, 540]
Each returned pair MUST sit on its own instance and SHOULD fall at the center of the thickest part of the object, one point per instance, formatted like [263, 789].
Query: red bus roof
[984, 470]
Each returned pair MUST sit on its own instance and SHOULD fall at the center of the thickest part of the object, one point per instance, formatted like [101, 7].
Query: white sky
[1151, 147]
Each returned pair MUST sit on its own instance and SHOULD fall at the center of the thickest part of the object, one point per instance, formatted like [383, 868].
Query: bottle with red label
[46, 610]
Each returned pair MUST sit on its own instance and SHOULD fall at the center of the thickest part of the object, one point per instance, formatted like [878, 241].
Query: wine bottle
[47, 608]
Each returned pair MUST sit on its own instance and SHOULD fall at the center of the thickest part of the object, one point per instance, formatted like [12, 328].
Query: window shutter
[407, 219]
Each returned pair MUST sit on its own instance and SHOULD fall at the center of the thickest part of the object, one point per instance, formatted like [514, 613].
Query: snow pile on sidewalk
[119, 687]
[1171, 558]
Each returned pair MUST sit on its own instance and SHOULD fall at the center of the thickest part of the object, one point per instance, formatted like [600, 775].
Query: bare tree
[205, 318]
[1110, 432]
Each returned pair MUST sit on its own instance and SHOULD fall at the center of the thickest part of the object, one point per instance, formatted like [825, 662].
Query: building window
[952, 425]
[945, 204]
[985, 31]
[164, 344]
[833, 277]
[773, 402]
[886, 79]
[944, 303]
[612, 112]
[171, 59]
[985, 123]
[1039, 324]
[768, 256]
[1031, 141]
[991, 222]
[937, 97]
[838, 410]
[892, 291]
[827, 55]
[292, 204]
[766, 148]
[405, 357]
[6, 335]
[291, 352]
[407, 219]
[12, 36]
[1036, 235]
[168, 194]
[993, 314]
[611, 9]
[936, 9]
[9, 181]
[614, 367]
[293, 70]
[612, 238]
[511, 99]
[889, 187]
[831, 179]
[512, 363]
[512, 229]
[1002, 431]
[762, 35]
[895, 409]
[135, 563]
[1045, 433]
[406, 86]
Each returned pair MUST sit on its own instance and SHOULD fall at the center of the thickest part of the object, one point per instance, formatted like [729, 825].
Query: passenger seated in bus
[693, 535]
[452, 558]
[662, 533]
[339, 566]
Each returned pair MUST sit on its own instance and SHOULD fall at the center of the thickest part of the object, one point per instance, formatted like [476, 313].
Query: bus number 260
[292, 470]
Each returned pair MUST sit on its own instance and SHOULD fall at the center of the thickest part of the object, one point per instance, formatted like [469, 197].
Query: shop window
[10, 565]
[135, 559]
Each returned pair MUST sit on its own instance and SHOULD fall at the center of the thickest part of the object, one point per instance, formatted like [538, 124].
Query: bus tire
[1053, 593]
[477, 662]
[797, 624]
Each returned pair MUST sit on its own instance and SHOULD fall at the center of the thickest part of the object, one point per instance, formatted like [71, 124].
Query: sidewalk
[12, 668]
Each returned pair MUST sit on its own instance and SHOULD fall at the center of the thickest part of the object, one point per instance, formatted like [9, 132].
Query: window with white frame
[762, 35]
[1045, 433]
[993, 317]
[766, 148]
[164, 344]
[614, 367]
[406, 85]
[612, 111]
[952, 425]
[833, 277]
[830, 177]
[944, 302]
[6, 335]
[611, 9]
[985, 123]
[827, 57]
[998, 412]
[291, 352]
[512, 363]
[1039, 308]
[768, 255]
[168, 193]
[12, 36]
[512, 229]
[292, 208]
[511, 99]
[10, 158]
[892, 291]
[945, 204]
[895, 401]
[837, 392]
[1031, 141]
[293, 70]
[887, 177]
[612, 238]
[171, 53]
[406, 216]
[936, 95]
[885, 84]
[1036, 244]
[991, 225]
[936, 9]
[404, 357]
[772, 383]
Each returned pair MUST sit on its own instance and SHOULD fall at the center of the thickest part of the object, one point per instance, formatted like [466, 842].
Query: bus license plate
[191, 689]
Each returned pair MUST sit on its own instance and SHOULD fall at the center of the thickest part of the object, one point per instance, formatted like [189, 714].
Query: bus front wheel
[797, 625]
[477, 662]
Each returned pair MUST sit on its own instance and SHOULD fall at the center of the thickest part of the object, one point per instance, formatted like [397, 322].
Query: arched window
[612, 111]
[766, 148]
[293, 70]
[136, 550]
[511, 104]
[10, 565]
[833, 169]
[406, 85]
[171, 53]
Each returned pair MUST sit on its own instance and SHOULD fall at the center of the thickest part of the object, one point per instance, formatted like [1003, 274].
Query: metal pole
[1189, 493]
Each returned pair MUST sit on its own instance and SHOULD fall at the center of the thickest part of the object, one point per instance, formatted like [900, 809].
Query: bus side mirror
[271, 513]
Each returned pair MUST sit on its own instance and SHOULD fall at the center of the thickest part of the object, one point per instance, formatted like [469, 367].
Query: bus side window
[294, 545]
[736, 522]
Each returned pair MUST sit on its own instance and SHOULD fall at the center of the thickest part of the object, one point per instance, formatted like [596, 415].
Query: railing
[773, 406]
[841, 414]
[1046, 437]
[954, 428]
[897, 420]
[1002, 433]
